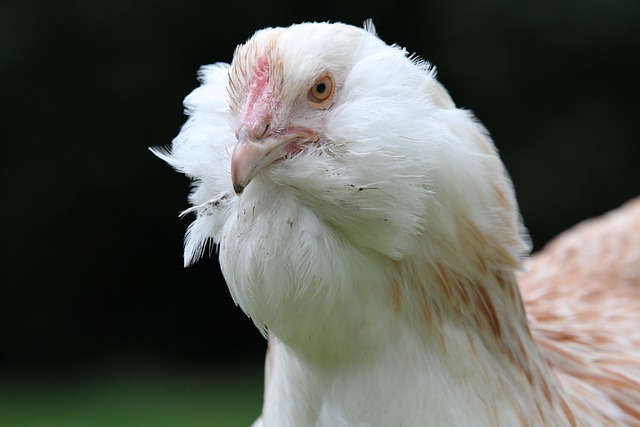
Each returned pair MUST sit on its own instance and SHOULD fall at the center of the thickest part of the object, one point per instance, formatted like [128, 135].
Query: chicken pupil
[320, 88]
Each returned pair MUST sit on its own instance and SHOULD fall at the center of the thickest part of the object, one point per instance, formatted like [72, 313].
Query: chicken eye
[321, 93]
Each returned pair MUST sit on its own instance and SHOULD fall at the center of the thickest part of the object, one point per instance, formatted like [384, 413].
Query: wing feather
[582, 294]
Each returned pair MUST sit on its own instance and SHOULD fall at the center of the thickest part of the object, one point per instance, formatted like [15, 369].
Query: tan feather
[582, 294]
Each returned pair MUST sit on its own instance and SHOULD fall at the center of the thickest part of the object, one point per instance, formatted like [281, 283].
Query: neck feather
[467, 302]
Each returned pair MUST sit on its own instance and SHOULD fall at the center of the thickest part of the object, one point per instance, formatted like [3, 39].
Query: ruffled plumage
[380, 254]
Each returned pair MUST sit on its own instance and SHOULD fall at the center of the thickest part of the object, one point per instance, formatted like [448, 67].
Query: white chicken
[368, 226]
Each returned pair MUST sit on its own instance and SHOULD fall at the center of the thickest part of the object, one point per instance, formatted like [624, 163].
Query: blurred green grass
[123, 398]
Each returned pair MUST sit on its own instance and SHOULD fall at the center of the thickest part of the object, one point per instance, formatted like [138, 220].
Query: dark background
[91, 262]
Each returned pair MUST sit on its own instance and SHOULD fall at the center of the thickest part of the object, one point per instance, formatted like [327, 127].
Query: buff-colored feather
[582, 294]
[369, 228]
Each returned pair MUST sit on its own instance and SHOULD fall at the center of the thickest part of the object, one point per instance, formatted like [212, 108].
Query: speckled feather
[582, 294]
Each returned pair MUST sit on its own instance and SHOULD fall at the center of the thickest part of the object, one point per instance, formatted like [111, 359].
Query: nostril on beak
[259, 130]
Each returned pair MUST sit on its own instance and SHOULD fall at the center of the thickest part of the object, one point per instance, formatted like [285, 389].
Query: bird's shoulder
[582, 294]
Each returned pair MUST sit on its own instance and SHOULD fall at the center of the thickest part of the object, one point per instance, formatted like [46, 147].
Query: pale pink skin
[258, 144]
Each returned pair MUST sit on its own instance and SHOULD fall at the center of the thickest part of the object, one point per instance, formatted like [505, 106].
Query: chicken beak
[252, 156]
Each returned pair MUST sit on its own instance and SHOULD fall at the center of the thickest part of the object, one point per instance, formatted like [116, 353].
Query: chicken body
[368, 227]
